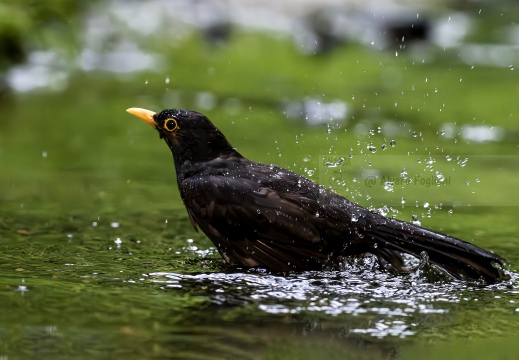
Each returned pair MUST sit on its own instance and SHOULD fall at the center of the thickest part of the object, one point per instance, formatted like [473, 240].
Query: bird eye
[170, 125]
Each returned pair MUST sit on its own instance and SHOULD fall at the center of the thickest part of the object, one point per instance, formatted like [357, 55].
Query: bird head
[189, 134]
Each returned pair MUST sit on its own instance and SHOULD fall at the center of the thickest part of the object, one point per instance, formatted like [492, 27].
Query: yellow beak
[144, 115]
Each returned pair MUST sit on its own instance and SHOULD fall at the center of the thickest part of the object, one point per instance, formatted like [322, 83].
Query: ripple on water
[392, 301]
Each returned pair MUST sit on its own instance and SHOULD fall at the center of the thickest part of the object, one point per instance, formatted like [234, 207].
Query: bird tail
[460, 259]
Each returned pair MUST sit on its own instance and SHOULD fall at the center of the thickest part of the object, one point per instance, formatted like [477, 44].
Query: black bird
[266, 216]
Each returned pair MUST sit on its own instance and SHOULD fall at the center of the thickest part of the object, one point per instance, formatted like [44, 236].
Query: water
[359, 292]
[161, 295]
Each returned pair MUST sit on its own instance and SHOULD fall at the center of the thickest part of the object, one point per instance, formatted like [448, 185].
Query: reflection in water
[274, 340]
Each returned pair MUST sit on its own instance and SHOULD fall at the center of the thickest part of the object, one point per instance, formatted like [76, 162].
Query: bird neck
[187, 167]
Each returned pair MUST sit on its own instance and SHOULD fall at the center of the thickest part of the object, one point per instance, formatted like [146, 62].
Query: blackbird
[260, 215]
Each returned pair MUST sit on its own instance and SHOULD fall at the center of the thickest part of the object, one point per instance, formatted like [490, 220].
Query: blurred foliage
[28, 25]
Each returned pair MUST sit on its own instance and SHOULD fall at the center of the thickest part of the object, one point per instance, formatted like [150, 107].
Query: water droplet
[440, 177]
[384, 146]
[392, 143]
[258, 211]
[461, 162]
[449, 212]
[334, 164]
[435, 90]
[372, 148]
[402, 201]
[426, 79]
[379, 129]
[424, 256]
[415, 134]
[477, 180]
[317, 214]
[396, 53]
[118, 242]
[448, 158]
[44, 154]
[416, 220]
[384, 210]
[375, 245]
[511, 67]
[114, 225]
[372, 132]
[403, 174]
[310, 172]
[306, 159]
[354, 218]
[426, 205]
[146, 82]
[167, 80]
[388, 185]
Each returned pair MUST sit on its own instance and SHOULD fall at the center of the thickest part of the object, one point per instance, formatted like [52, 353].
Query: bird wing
[252, 223]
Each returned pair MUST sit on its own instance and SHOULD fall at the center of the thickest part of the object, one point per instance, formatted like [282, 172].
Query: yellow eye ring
[170, 125]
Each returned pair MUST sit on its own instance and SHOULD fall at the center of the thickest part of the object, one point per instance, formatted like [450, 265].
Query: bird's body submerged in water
[267, 216]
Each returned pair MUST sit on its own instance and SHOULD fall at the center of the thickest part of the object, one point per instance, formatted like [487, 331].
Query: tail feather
[460, 259]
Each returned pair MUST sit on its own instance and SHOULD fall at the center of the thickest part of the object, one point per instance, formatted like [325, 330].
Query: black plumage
[267, 216]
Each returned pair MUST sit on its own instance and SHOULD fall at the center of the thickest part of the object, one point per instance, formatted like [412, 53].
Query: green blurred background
[344, 92]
